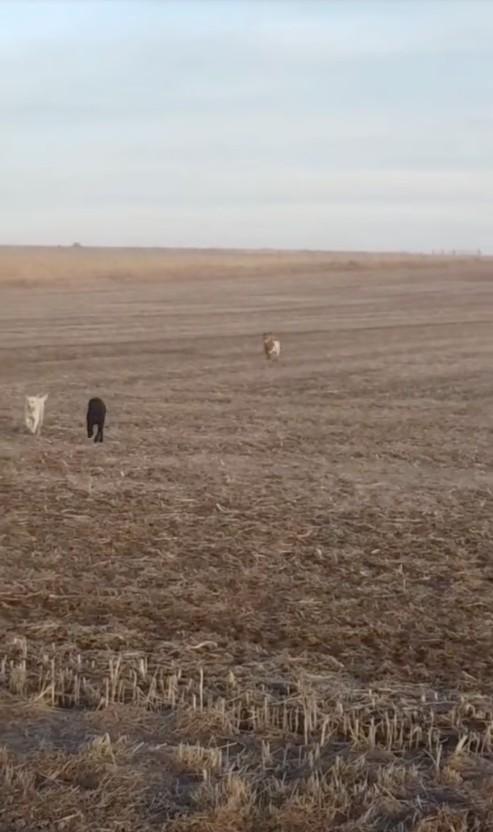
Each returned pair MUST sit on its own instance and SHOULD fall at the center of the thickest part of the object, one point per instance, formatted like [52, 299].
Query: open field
[266, 601]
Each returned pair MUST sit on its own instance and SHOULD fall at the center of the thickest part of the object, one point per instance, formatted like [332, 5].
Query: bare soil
[266, 601]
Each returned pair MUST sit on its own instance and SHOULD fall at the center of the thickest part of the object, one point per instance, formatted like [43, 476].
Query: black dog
[96, 414]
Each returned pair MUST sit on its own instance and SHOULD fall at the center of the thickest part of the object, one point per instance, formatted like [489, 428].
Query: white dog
[34, 412]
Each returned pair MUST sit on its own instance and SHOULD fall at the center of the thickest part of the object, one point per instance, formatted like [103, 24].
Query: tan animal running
[272, 346]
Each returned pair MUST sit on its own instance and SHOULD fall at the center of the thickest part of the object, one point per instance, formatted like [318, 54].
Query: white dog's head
[34, 412]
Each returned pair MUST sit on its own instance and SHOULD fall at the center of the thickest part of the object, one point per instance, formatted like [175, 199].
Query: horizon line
[434, 252]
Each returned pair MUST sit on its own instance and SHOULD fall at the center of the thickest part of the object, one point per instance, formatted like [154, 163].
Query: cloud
[379, 30]
[145, 57]
[247, 119]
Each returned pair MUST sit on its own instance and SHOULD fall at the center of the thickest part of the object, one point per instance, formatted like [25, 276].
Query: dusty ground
[266, 602]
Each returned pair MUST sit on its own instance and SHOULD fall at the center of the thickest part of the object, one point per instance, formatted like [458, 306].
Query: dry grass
[265, 602]
[73, 266]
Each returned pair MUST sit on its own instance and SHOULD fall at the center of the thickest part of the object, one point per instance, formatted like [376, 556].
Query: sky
[330, 124]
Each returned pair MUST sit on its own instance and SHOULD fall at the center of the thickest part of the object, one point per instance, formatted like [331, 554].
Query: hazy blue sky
[338, 125]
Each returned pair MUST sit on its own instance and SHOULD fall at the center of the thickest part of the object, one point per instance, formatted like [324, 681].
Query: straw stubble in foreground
[265, 602]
